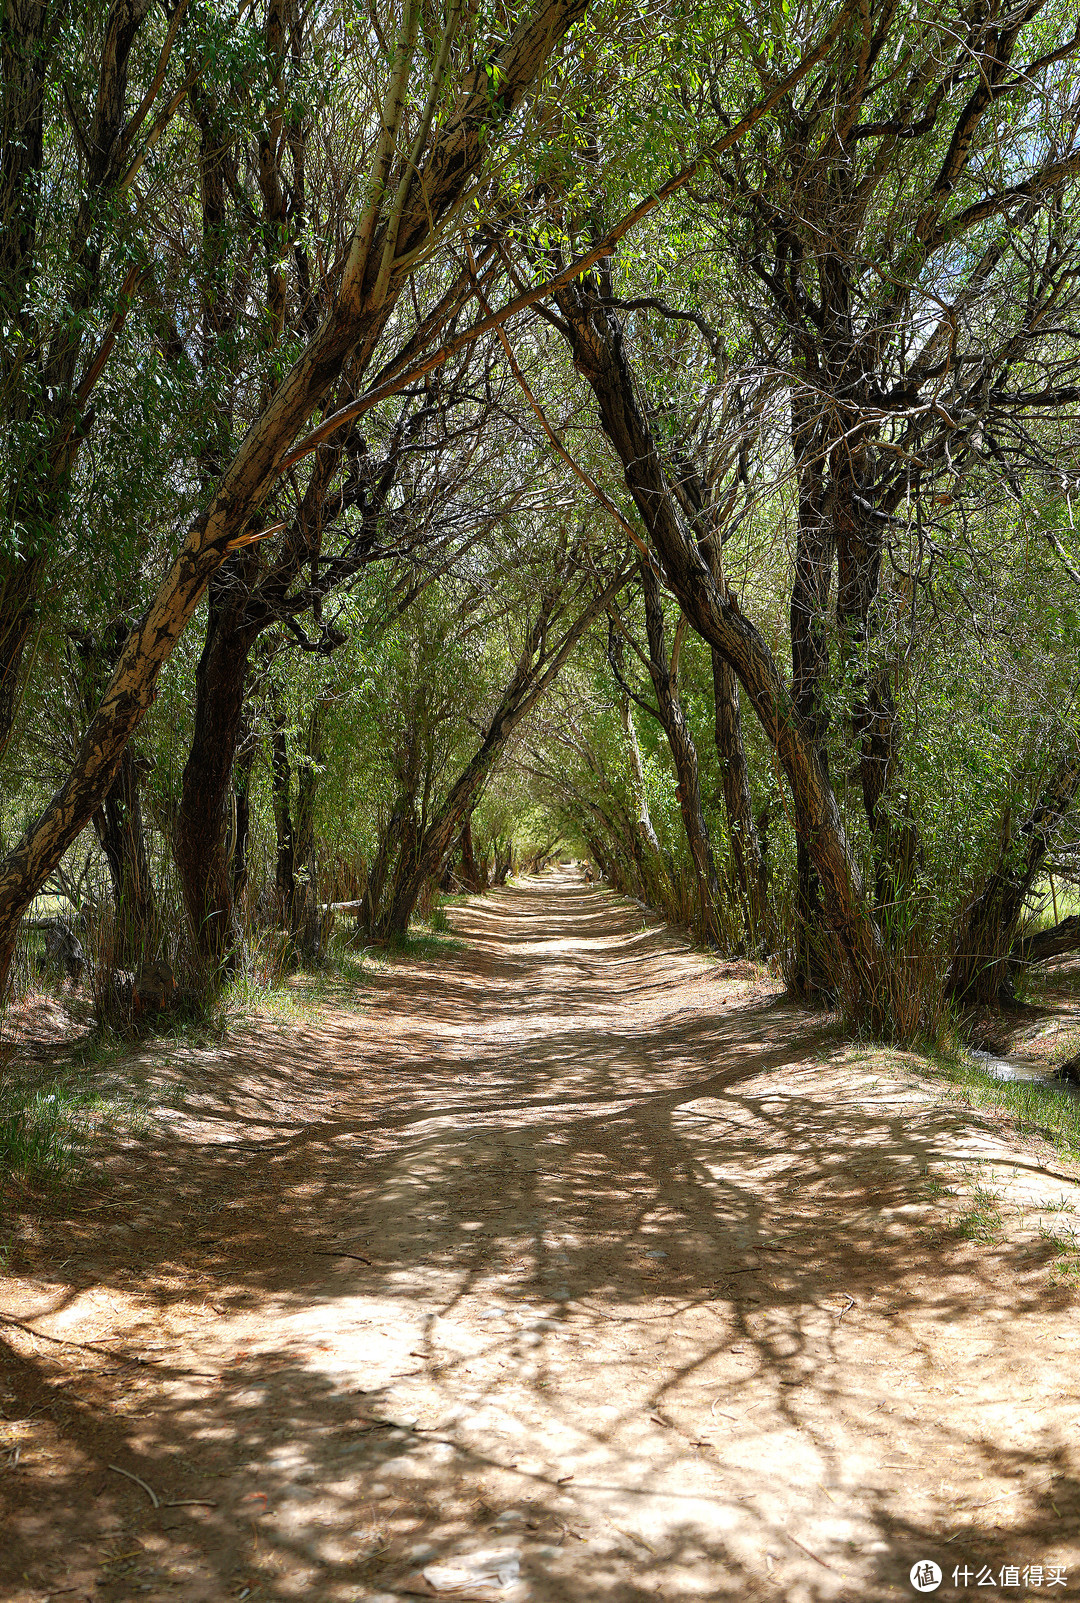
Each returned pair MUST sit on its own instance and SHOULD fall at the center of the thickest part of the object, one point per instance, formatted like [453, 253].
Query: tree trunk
[201, 844]
[811, 975]
[874, 718]
[643, 837]
[349, 333]
[470, 869]
[240, 835]
[979, 971]
[684, 755]
[118, 824]
[747, 859]
[1045, 944]
[596, 339]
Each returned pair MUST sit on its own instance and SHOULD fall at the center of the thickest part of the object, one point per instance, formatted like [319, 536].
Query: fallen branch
[1045, 944]
[149, 1490]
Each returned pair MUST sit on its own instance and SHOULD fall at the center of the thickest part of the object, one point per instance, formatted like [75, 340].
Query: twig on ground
[64, 1341]
[325, 1252]
[100, 1351]
[191, 1502]
[822, 1561]
[149, 1490]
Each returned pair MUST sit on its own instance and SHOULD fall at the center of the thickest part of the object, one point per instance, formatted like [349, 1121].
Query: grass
[1036, 1109]
[48, 1119]
[1065, 1266]
[1065, 896]
[982, 1219]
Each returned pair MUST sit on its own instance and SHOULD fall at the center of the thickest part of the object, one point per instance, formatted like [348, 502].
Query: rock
[1068, 1073]
[496, 1570]
[155, 986]
[63, 950]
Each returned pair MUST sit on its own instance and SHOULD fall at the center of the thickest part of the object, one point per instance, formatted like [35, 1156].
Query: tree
[410, 200]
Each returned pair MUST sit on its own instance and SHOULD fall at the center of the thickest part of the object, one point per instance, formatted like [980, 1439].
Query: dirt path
[571, 1246]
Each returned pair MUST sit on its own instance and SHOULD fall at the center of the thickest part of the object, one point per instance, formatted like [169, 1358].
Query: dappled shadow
[567, 1197]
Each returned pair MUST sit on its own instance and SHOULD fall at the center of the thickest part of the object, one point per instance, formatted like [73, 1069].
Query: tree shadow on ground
[623, 1220]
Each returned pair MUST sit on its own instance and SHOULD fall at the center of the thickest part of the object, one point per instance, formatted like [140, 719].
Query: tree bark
[118, 824]
[470, 869]
[1045, 944]
[200, 844]
[986, 933]
[747, 858]
[643, 837]
[240, 834]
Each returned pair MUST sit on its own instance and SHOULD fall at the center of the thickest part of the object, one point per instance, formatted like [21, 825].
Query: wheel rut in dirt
[570, 1245]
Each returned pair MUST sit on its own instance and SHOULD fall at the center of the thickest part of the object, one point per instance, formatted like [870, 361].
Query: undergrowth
[47, 1120]
[49, 1116]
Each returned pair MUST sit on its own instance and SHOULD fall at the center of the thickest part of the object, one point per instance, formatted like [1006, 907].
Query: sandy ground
[572, 1246]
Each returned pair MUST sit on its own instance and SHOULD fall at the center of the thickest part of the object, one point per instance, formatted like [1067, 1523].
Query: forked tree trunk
[363, 305]
[986, 932]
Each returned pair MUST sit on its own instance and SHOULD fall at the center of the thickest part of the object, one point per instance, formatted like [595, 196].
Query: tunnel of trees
[435, 437]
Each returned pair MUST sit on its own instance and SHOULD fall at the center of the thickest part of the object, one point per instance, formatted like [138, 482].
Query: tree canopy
[438, 436]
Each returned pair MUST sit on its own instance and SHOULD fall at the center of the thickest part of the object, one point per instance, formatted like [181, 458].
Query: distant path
[639, 1274]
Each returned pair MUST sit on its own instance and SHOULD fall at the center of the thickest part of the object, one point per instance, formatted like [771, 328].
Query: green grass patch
[290, 995]
[1065, 1264]
[1057, 901]
[1036, 1109]
[47, 1121]
[422, 941]
[982, 1219]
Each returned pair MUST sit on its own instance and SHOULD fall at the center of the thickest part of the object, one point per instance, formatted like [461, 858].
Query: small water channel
[997, 1068]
